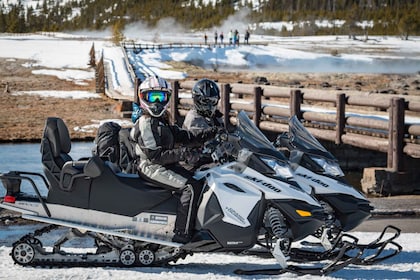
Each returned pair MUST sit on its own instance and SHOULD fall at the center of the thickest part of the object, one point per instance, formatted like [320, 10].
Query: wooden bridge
[365, 120]
[369, 121]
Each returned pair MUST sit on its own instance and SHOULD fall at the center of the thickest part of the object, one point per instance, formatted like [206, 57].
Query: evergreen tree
[390, 17]
[409, 23]
[117, 34]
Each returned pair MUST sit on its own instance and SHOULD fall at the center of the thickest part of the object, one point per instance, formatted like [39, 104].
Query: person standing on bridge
[247, 37]
[158, 147]
[221, 36]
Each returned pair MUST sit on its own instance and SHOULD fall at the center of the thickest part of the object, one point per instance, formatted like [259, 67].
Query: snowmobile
[131, 219]
[318, 172]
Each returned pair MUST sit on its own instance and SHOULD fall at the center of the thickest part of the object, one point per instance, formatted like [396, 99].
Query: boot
[181, 237]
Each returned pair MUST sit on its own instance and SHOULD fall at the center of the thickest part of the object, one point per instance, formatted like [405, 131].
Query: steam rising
[236, 21]
[140, 30]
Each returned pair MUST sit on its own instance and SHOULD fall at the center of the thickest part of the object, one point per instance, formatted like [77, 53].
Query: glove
[222, 134]
[191, 155]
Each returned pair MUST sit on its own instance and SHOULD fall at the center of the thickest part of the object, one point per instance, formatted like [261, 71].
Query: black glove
[222, 134]
[191, 155]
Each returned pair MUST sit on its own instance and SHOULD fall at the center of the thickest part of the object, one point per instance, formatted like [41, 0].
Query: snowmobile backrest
[87, 169]
[55, 148]
[94, 167]
[57, 134]
[73, 170]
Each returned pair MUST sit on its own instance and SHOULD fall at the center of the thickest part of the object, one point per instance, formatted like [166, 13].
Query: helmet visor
[209, 100]
[154, 96]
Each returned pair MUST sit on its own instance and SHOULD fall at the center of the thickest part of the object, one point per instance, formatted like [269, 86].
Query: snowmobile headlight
[330, 167]
[281, 169]
[303, 213]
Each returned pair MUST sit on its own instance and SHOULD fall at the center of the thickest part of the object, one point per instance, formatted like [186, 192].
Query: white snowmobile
[318, 172]
[131, 220]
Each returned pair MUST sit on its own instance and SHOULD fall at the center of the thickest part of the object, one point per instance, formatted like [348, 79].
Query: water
[27, 157]
[336, 65]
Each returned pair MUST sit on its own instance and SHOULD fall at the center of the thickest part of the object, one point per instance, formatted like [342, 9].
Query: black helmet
[206, 95]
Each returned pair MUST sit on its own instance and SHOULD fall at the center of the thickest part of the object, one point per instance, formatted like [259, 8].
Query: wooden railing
[138, 47]
[369, 121]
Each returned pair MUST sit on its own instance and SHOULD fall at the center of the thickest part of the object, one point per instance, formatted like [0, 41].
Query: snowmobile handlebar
[222, 147]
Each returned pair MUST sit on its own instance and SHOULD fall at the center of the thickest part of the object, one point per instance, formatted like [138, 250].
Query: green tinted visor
[154, 96]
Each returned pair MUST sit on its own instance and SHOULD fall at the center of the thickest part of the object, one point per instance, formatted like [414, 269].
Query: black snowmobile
[131, 220]
[318, 172]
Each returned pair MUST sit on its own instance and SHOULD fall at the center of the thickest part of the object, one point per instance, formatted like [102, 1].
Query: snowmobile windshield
[302, 139]
[253, 139]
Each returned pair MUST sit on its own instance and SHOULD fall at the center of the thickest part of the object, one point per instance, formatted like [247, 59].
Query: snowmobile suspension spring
[276, 219]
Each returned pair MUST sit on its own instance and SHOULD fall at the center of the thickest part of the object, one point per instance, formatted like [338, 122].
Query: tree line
[387, 17]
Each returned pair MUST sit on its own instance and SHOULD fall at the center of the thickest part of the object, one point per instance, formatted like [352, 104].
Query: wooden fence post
[92, 60]
[258, 92]
[225, 104]
[340, 117]
[396, 134]
[295, 101]
[100, 76]
[174, 102]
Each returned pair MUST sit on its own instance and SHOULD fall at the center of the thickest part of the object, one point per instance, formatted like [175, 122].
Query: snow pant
[187, 189]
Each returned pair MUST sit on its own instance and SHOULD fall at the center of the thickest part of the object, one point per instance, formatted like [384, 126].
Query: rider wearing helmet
[157, 145]
[204, 115]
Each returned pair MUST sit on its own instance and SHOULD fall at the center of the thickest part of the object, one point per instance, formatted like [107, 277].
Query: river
[27, 157]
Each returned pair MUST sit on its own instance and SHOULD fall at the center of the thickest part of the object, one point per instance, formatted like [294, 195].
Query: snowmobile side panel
[13, 207]
[301, 226]
[114, 232]
[228, 235]
[349, 210]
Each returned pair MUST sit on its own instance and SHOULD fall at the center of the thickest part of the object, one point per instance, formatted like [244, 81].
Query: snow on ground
[406, 265]
[67, 57]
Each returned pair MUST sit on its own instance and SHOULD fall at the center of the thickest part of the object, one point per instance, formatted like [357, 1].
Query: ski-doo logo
[315, 180]
[265, 184]
[236, 214]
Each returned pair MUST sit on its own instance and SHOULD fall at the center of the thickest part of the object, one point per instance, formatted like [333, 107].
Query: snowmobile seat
[58, 165]
[127, 193]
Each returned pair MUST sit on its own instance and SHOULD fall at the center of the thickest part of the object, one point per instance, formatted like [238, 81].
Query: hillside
[317, 17]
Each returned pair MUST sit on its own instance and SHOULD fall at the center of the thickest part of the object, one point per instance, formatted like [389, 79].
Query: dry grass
[22, 117]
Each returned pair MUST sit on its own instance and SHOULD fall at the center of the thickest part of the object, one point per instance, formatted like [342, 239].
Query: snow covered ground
[406, 265]
[47, 53]
[276, 54]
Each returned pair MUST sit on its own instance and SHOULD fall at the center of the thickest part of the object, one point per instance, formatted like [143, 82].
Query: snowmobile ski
[336, 264]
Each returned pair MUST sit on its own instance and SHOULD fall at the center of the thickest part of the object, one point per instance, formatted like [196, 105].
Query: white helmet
[154, 94]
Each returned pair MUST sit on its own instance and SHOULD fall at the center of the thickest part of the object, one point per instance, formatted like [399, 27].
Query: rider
[204, 115]
[156, 145]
